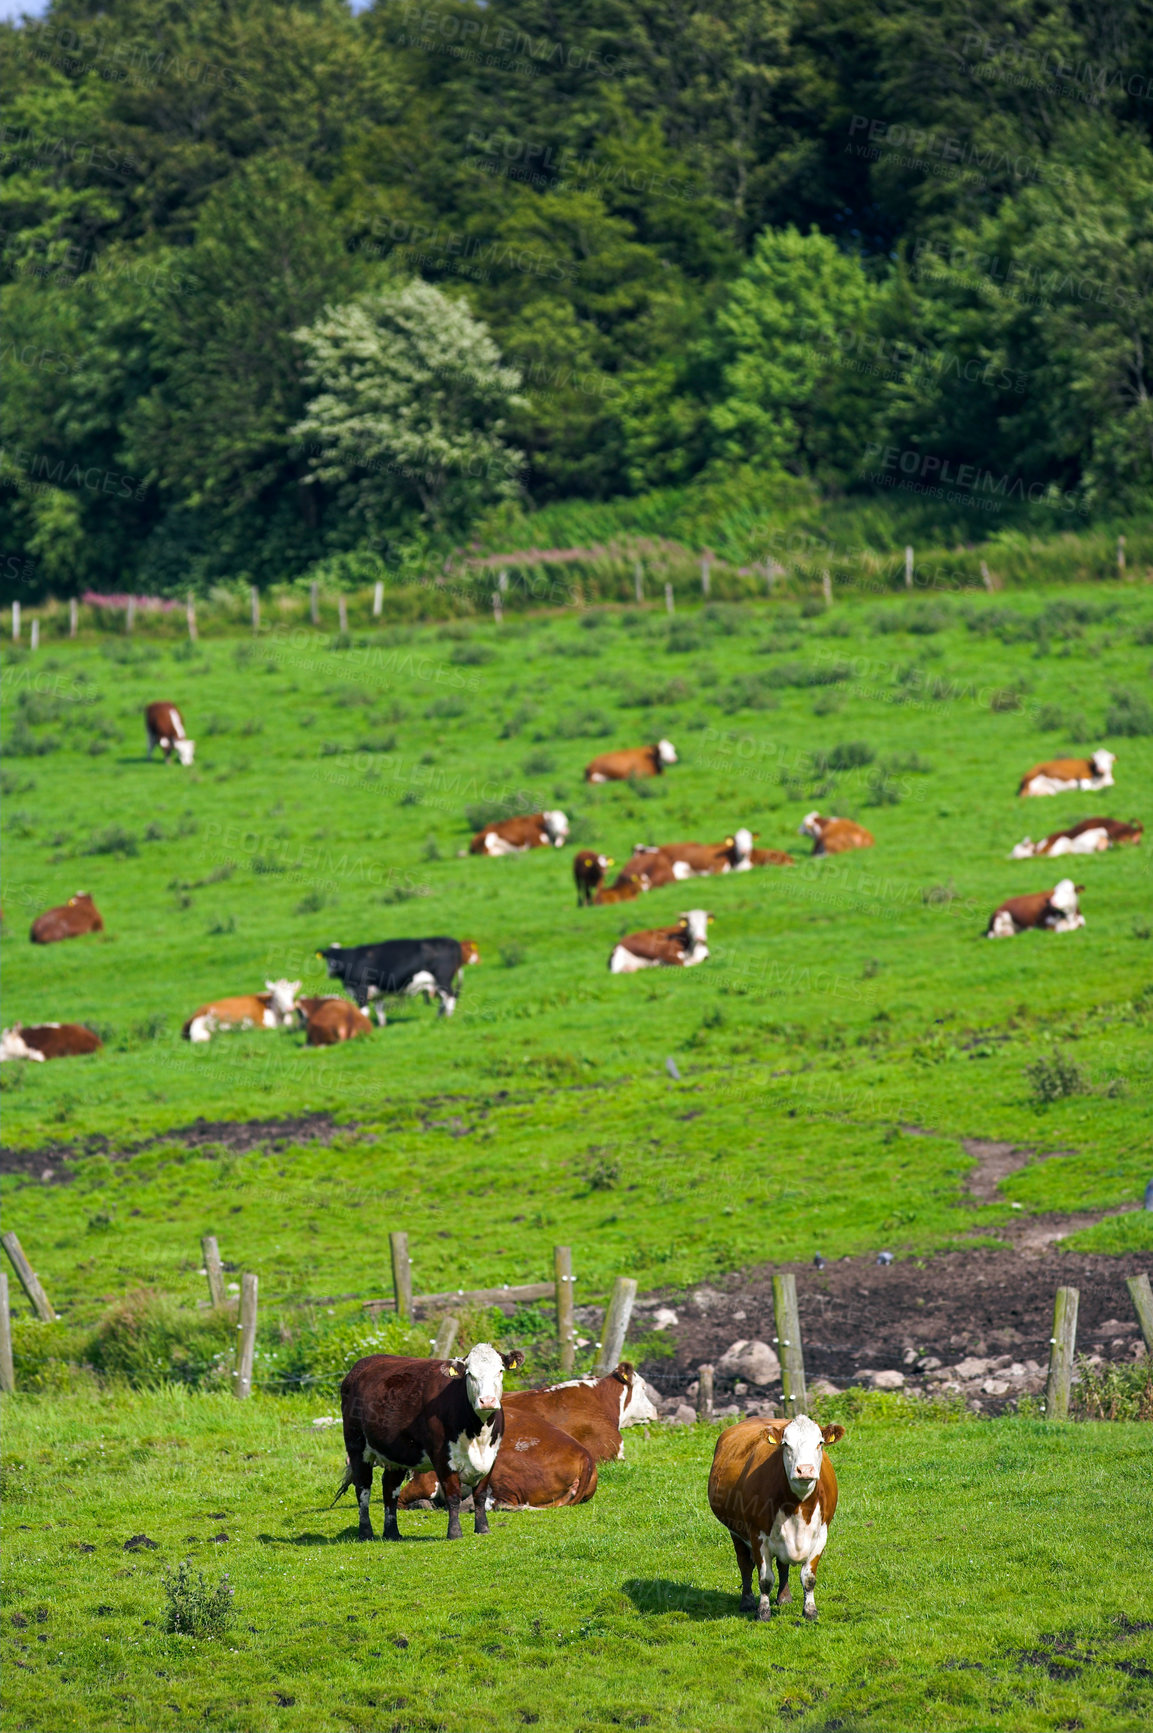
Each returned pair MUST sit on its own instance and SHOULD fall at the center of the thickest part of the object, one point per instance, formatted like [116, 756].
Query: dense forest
[283, 283]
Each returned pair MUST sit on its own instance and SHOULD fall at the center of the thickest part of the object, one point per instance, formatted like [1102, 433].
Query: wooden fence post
[378, 599]
[1120, 556]
[73, 616]
[788, 1320]
[908, 568]
[191, 616]
[212, 1268]
[34, 634]
[705, 1393]
[1141, 1294]
[7, 1369]
[401, 1275]
[1062, 1345]
[620, 1308]
[242, 1377]
[827, 587]
[15, 621]
[639, 581]
[254, 596]
[565, 1323]
[342, 612]
[706, 572]
[669, 598]
[496, 608]
[502, 583]
[314, 603]
[29, 1280]
[987, 577]
[130, 614]
[445, 1337]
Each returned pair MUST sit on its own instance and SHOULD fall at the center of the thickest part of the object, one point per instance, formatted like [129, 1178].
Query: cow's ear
[776, 1429]
[513, 1360]
[456, 1368]
[830, 1434]
[624, 1371]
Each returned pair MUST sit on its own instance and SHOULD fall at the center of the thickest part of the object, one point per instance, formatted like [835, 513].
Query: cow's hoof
[454, 1532]
[764, 1613]
[748, 1603]
[363, 1536]
[811, 1615]
[784, 1597]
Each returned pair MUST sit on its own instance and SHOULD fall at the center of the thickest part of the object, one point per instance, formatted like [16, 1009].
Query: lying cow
[689, 860]
[40, 1041]
[1090, 836]
[834, 835]
[774, 1489]
[676, 947]
[410, 1415]
[594, 1411]
[165, 727]
[331, 1020]
[518, 835]
[651, 868]
[626, 889]
[78, 915]
[429, 966]
[588, 871]
[632, 761]
[538, 1467]
[274, 1009]
[1067, 775]
[1054, 911]
[743, 856]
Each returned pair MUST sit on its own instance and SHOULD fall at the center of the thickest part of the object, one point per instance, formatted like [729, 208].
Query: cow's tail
[345, 1483]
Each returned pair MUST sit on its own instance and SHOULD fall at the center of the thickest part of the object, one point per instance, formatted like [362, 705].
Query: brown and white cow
[1054, 911]
[332, 1020]
[165, 728]
[631, 761]
[677, 947]
[626, 889]
[652, 868]
[774, 1489]
[743, 856]
[411, 1415]
[834, 835]
[538, 1467]
[78, 915]
[518, 835]
[1067, 775]
[41, 1041]
[275, 1009]
[594, 1411]
[588, 871]
[1090, 836]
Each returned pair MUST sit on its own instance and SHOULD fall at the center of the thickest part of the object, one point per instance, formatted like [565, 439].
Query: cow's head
[1103, 762]
[666, 752]
[334, 960]
[742, 842]
[696, 924]
[283, 996]
[810, 825]
[556, 824]
[185, 750]
[1063, 896]
[636, 1408]
[483, 1371]
[469, 951]
[803, 1444]
[1024, 850]
[81, 897]
[13, 1046]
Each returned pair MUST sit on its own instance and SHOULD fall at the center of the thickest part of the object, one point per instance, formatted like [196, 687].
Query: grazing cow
[275, 1009]
[1066, 775]
[626, 889]
[78, 915]
[676, 947]
[518, 835]
[165, 727]
[41, 1041]
[588, 871]
[430, 966]
[1090, 836]
[594, 1411]
[834, 835]
[774, 1489]
[632, 761]
[1054, 911]
[538, 1467]
[409, 1415]
[330, 1021]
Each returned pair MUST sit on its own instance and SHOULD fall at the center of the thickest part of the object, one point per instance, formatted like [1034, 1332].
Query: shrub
[1054, 1078]
[1130, 714]
[194, 1609]
[582, 724]
[1005, 698]
[378, 743]
[311, 903]
[883, 791]
[512, 956]
[1114, 1392]
[322, 1352]
[749, 693]
[149, 1339]
[445, 709]
[20, 742]
[478, 813]
[848, 755]
[471, 655]
[411, 797]
[112, 840]
[539, 764]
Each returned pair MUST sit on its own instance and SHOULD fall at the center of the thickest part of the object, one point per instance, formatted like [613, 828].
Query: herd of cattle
[369, 974]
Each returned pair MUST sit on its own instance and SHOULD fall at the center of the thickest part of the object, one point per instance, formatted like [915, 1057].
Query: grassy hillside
[843, 998]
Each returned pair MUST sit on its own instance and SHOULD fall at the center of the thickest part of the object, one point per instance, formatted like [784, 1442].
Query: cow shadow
[344, 1537]
[660, 1595]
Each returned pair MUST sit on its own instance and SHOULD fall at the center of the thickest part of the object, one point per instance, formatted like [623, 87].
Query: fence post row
[213, 1269]
[788, 1320]
[29, 1280]
[242, 1377]
[565, 1322]
[7, 1370]
[1062, 1345]
[1141, 1294]
[401, 1275]
[616, 1324]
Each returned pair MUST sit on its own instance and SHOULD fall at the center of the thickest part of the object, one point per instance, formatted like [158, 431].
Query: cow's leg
[480, 1506]
[391, 1481]
[447, 1002]
[809, 1583]
[745, 1566]
[784, 1592]
[362, 1484]
[765, 1573]
[450, 1485]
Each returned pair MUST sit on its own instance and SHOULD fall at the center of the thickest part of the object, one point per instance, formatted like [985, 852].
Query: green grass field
[977, 1576]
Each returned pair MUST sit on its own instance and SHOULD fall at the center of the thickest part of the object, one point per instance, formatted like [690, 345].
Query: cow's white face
[743, 843]
[13, 1046]
[697, 922]
[1103, 762]
[185, 750]
[557, 826]
[1024, 850]
[283, 995]
[484, 1378]
[666, 752]
[1063, 896]
[636, 1408]
[802, 1448]
[810, 825]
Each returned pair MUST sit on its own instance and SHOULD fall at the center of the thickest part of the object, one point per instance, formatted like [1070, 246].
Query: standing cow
[773, 1488]
[430, 966]
[588, 871]
[165, 728]
[409, 1415]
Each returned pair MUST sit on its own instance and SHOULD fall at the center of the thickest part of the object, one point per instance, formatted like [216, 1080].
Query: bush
[194, 1609]
[445, 709]
[1054, 1078]
[1130, 714]
[512, 956]
[149, 1339]
[539, 764]
[20, 742]
[471, 655]
[321, 1353]
[848, 755]
[1114, 1392]
[582, 725]
[113, 840]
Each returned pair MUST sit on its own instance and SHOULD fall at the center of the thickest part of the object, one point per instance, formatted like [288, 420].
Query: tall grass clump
[148, 1339]
[194, 1609]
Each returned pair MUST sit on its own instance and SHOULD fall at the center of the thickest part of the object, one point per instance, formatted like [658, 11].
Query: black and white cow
[430, 966]
[410, 1415]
